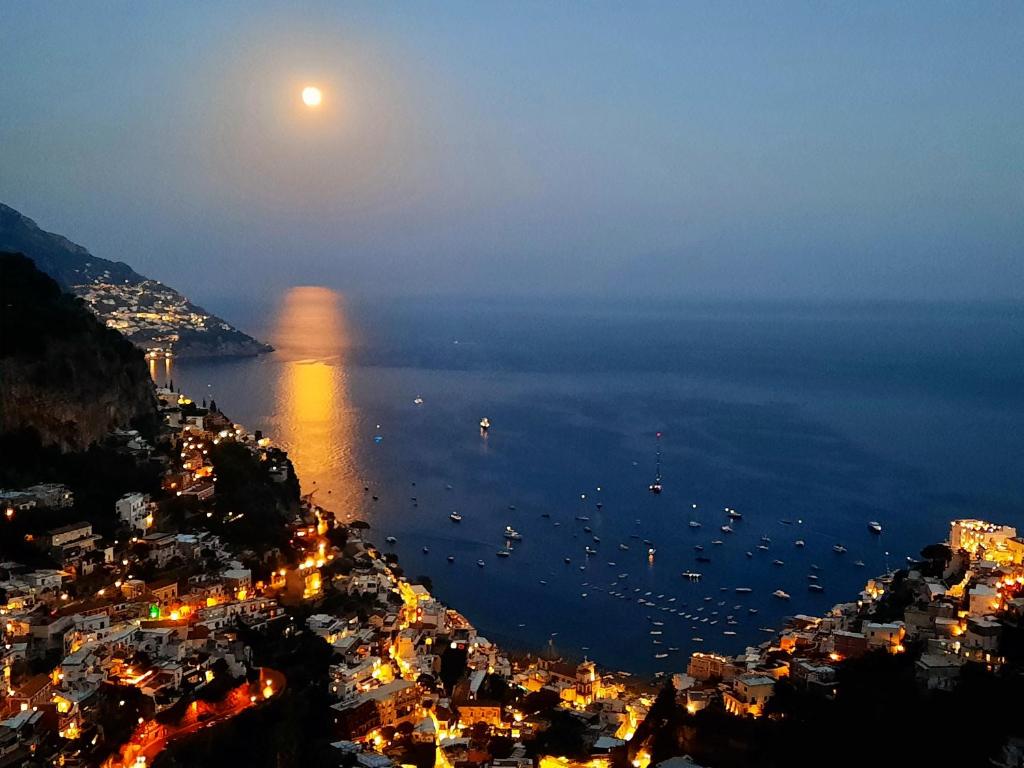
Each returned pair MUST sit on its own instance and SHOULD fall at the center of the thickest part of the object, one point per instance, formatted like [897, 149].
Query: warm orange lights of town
[312, 96]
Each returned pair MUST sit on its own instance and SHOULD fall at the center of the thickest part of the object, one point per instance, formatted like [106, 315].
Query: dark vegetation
[881, 712]
[290, 731]
[244, 486]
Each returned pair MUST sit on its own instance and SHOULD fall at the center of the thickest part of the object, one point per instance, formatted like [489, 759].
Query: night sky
[724, 150]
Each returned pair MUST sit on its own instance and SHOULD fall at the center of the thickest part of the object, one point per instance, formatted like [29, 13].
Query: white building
[134, 510]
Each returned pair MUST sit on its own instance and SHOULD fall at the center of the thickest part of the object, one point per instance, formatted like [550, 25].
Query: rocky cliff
[62, 372]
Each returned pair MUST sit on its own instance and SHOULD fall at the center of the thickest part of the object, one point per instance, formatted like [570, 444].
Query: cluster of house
[69, 633]
[149, 313]
[385, 680]
[956, 616]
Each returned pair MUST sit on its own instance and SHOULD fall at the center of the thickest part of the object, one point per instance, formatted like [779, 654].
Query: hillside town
[126, 634]
[158, 319]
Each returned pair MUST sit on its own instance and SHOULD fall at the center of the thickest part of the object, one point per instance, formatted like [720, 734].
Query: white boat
[743, 590]
[726, 529]
[734, 514]
[390, 539]
[485, 424]
[583, 518]
[426, 550]
[451, 558]
[503, 552]
[838, 549]
[780, 594]
[798, 543]
[729, 633]
[778, 562]
[718, 542]
[661, 655]
[763, 547]
[623, 547]
[814, 587]
[590, 551]
[875, 527]
[418, 401]
[455, 517]
[694, 524]
[512, 533]
[481, 563]
[691, 575]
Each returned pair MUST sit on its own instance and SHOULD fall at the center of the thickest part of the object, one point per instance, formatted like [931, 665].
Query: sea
[808, 419]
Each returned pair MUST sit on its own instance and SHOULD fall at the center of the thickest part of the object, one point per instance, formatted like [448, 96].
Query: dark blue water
[827, 416]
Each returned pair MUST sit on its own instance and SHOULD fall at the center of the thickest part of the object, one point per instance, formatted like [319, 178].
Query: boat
[512, 533]
[694, 524]
[511, 507]
[583, 518]
[455, 517]
[859, 563]
[624, 547]
[503, 552]
[481, 563]
[587, 529]
[651, 552]
[766, 540]
[780, 594]
[729, 633]
[589, 551]
[390, 539]
[749, 553]
[698, 547]
[691, 575]
[485, 424]
[661, 655]
[451, 558]
[726, 529]
[763, 547]
[426, 550]
[743, 590]
[655, 487]
[838, 549]
[778, 562]
[734, 514]
[799, 543]
[418, 401]
[875, 527]
[815, 587]
[718, 542]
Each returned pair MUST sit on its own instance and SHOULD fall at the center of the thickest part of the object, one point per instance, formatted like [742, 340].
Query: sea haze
[823, 415]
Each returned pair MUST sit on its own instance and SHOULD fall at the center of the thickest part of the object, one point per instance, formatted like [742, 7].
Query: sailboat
[655, 487]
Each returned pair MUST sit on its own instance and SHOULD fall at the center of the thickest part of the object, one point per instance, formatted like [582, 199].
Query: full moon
[311, 96]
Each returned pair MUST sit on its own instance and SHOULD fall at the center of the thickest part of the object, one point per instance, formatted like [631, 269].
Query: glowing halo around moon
[312, 96]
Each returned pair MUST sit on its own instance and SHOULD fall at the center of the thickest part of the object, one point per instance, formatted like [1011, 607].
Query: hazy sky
[842, 149]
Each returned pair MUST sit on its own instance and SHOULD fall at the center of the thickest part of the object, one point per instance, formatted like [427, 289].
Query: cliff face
[62, 372]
